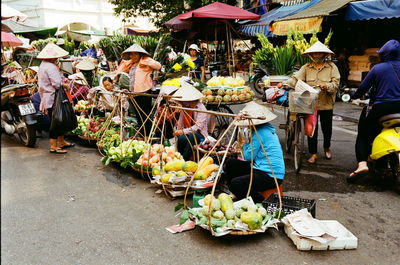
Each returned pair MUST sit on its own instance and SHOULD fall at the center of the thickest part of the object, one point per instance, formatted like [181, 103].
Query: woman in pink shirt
[50, 79]
[141, 81]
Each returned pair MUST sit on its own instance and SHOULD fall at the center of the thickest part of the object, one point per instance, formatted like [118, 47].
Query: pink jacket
[49, 80]
[201, 121]
[140, 74]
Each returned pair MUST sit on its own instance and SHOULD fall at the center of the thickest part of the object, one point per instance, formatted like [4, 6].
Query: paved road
[70, 209]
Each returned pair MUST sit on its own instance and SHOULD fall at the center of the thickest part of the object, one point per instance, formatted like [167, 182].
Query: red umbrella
[178, 24]
[9, 40]
[220, 10]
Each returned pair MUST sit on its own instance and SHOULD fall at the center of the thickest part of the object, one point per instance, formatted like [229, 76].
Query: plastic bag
[63, 118]
[310, 123]
[272, 93]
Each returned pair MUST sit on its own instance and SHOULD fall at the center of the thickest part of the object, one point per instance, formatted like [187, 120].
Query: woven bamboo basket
[144, 173]
[213, 153]
[88, 138]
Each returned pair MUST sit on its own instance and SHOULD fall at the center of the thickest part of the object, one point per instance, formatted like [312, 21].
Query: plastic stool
[267, 193]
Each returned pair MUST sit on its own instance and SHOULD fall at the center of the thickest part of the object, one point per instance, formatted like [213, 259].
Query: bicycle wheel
[289, 134]
[222, 122]
[298, 143]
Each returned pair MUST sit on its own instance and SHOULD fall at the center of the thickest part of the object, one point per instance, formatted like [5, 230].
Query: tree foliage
[159, 11]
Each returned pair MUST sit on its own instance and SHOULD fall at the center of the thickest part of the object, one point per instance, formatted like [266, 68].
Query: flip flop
[68, 145]
[357, 175]
[58, 151]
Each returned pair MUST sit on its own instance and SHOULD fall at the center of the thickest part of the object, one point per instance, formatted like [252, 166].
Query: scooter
[18, 114]
[256, 79]
[384, 161]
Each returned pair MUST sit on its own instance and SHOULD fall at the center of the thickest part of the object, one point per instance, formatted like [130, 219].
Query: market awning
[9, 12]
[263, 25]
[9, 40]
[22, 29]
[373, 9]
[309, 19]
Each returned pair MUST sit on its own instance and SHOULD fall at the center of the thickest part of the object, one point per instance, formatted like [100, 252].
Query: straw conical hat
[34, 68]
[85, 65]
[78, 78]
[52, 51]
[136, 48]
[187, 92]
[168, 90]
[317, 47]
[255, 110]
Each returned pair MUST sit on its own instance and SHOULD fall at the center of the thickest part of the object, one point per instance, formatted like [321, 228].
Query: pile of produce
[126, 153]
[82, 105]
[110, 138]
[180, 171]
[158, 156]
[207, 146]
[220, 81]
[89, 128]
[226, 215]
[227, 95]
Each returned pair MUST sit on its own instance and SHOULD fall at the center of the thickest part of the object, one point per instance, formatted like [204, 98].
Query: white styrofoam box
[345, 239]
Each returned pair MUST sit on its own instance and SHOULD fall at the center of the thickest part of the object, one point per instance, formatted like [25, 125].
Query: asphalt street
[70, 209]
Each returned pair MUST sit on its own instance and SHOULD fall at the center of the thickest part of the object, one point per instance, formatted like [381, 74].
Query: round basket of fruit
[218, 149]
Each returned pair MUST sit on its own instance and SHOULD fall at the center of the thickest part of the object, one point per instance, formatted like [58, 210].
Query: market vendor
[88, 70]
[32, 74]
[49, 80]
[191, 128]
[237, 172]
[194, 52]
[78, 87]
[140, 77]
[167, 117]
[102, 96]
[322, 72]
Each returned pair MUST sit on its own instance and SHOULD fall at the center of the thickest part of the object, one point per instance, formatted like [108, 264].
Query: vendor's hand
[323, 86]
[240, 116]
[46, 112]
[178, 132]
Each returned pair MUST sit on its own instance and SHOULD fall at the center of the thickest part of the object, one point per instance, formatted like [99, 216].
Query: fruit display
[111, 138]
[219, 81]
[207, 146]
[157, 153]
[126, 153]
[227, 95]
[227, 216]
[82, 105]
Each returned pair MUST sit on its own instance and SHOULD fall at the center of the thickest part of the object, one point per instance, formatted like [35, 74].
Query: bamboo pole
[217, 113]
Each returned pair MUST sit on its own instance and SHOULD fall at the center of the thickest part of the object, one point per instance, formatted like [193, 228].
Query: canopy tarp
[373, 9]
[22, 29]
[263, 25]
[9, 12]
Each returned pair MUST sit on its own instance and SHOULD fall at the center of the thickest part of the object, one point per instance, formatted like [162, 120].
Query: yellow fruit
[166, 177]
[210, 98]
[252, 219]
[228, 92]
[174, 165]
[235, 98]
[242, 97]
[205, 161]
[208, 199]
[156, 171]
[227, 98]
[204, 173]
[235, 92]
[248, 96]
[207, 92]
[190, 166]
[181, 174]
[221, 92]
[226, 202]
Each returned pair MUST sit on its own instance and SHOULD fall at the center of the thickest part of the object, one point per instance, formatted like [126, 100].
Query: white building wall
[58, 13]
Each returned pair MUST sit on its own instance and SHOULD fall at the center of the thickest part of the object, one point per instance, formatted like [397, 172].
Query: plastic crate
[289, 204]
[301, 102]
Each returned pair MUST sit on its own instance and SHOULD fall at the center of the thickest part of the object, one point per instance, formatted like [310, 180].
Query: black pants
[237, 173]
[325, 117]
[369, 127]
[186, 142]
[52, 133]
[144, 103]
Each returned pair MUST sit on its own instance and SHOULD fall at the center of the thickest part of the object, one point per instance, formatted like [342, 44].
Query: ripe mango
[205, 172]
[156, 171]
[190, 166]
[174, 165]
[252, 219]
[181, 174]
[166, 177]
[205, 161]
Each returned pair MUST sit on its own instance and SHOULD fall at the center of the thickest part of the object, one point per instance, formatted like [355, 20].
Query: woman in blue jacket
[237, 172]
[383, 85]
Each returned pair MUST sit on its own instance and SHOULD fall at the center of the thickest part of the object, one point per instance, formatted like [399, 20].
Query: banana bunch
[216, 81]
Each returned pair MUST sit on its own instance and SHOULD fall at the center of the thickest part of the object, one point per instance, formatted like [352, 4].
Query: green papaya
[226, 202]
[252, 219]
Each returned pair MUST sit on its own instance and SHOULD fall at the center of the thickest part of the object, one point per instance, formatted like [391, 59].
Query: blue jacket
[91, 52]
[272, 147]
[384, 78]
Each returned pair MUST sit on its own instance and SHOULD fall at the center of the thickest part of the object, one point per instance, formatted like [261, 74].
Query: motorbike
[18, 113]
[384, 160]
[256, 79]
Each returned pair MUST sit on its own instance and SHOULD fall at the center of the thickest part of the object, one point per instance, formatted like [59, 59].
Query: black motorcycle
[18, 114]
[256, 79]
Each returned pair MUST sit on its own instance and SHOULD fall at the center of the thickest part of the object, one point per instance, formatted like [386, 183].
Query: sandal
[312, 159]
[58, 151]
[354, 176]
[69, 145]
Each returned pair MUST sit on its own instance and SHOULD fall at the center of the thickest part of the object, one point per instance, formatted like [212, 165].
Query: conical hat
[85, 65]
[187, 92]
[168, 90]
[255, 110]
[136, 48]
[78, 78]
[52, 51]
[317, 47]
[34, 68]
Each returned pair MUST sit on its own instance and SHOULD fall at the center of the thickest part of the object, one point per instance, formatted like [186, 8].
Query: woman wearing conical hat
[263, 136]
[78, 86]
[323, 73]
[140, 75]
[49, 80]
[192, 126]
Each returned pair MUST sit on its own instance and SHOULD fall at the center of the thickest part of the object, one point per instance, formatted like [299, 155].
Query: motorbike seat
[390, 121]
